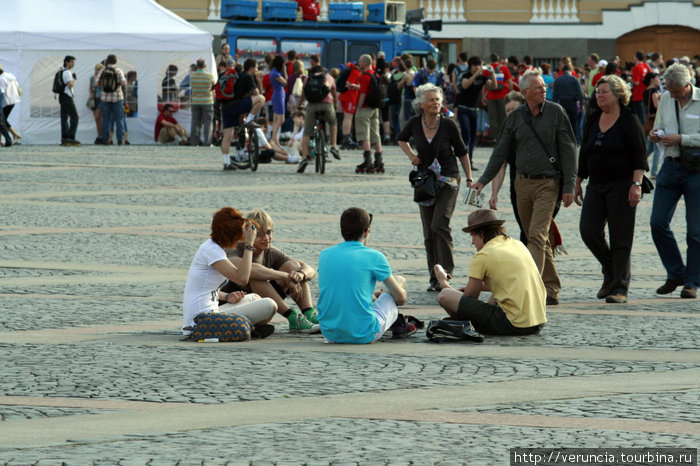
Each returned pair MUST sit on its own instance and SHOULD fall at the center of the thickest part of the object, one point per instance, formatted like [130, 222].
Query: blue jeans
[394, 114]
[408, 111]
[467, 124]
[652, 147]
[112, 112]
[672, 182]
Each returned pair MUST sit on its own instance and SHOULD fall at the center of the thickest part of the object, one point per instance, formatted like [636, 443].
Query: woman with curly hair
[438, 147]
[211, 269]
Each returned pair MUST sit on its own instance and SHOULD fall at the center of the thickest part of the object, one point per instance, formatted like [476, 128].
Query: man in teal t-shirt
[347, 275]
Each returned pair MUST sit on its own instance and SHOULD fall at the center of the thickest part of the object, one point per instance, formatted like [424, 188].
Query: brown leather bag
[649, 122]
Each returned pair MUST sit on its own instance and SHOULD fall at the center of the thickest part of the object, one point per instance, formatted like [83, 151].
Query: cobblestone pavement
[95, 247]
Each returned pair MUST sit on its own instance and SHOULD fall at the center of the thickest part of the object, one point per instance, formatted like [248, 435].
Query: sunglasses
[370, 218]
[599, 139]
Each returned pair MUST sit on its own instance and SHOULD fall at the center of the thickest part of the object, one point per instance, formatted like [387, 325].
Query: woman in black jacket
[613, 156]
[439, 147]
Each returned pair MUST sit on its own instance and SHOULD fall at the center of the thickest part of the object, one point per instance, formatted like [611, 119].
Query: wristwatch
[637, 183]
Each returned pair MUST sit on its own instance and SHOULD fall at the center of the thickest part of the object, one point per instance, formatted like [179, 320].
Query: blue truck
[342, 39]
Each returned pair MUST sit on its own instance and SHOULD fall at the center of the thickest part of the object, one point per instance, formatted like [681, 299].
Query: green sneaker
[299, 323]
[312, 315]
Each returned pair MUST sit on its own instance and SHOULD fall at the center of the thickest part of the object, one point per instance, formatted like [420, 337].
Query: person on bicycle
[247, 99]
[322, 98]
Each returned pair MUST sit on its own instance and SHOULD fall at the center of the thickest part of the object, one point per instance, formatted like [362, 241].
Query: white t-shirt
[10, 89]
[262, 140]
[203, 283]
[67, 77]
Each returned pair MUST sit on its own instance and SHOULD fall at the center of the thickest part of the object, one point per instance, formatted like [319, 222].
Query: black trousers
[4, 131]
[607, 203]
[68, 110]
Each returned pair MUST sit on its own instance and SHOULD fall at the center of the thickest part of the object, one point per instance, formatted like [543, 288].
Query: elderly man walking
[540, 135]
[676, 127]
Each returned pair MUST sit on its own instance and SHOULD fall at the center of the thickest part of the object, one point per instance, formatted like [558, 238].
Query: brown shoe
[669, 287]
[604, 291]
[552, 301]
[688, 292]
[616, 298]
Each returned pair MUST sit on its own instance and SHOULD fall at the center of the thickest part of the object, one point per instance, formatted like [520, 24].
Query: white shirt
[9, 88]
[689, 118]
[203, 283]
[67, 77]
[262, 140]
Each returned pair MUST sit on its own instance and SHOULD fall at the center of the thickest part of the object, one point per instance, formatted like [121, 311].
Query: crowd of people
[596, 124]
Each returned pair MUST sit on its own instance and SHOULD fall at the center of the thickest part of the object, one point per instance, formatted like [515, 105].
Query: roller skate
[366, 166]
[378, 163]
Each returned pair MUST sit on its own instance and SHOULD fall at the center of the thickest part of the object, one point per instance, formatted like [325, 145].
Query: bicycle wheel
[321, 149]
[253, 148]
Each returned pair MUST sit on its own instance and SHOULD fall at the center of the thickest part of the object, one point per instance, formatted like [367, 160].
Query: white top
[689, 120]
[9, 88]
[262, 140]
[203, 283]
[67, 77]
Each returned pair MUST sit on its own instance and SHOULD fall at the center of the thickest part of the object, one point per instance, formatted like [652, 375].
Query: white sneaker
[242, 156]
[292, 158]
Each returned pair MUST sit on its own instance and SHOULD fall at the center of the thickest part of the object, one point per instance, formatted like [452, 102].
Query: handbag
[424, 184]
[225, 327]
[440, 331]
[649, 122]
[690, 156]
[647, 185]
[298, 87]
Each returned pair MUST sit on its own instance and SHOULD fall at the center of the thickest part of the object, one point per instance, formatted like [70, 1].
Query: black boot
[378, 163]
[366, 166]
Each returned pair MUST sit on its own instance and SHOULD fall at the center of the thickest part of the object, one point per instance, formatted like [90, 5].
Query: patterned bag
[225, 327]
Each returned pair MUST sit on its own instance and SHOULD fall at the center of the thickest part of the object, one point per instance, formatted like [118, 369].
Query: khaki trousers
[536, 201]
[436, 230]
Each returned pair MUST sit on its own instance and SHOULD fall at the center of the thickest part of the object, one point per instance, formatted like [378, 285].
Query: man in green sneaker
[277, 276]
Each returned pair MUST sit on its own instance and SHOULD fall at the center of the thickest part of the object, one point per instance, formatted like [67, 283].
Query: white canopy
[35, 36]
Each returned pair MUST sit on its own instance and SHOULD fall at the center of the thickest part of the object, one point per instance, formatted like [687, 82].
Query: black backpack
[393, 93]
[447, 330]
[108, 80]
[377, 92]
[58, 85]
[316, 88]
[341, 82]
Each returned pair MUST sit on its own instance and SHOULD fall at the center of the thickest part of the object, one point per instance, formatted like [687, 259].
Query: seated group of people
[238, 271]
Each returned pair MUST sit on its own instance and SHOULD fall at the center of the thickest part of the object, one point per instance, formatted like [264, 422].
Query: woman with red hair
[211, 269]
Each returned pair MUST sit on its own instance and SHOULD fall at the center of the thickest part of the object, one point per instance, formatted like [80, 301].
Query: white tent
[35, 36]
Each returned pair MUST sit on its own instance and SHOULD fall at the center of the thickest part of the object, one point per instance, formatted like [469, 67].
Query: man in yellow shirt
[504, 267]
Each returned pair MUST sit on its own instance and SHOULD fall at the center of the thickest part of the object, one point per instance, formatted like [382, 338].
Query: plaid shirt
[113, 96]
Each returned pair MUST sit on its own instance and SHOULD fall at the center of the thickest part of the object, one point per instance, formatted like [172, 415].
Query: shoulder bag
[649, 122]
[424, 182]
[528, 120]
